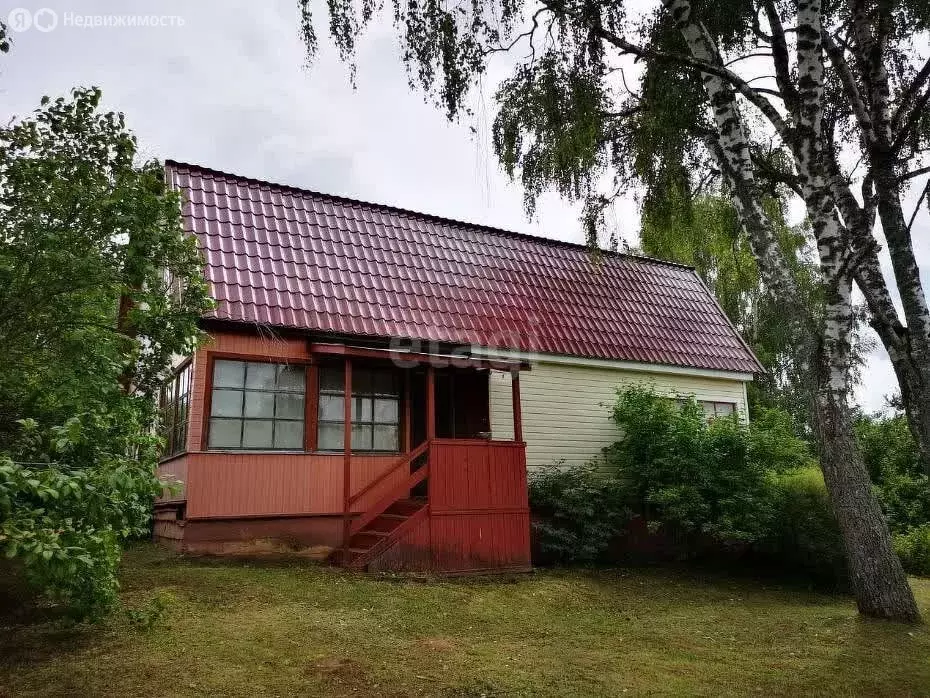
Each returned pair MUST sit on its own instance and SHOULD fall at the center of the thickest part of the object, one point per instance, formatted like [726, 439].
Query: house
[377, 381]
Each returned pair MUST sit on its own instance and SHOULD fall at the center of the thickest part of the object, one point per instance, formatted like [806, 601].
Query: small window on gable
[257, 406]
[713, 409]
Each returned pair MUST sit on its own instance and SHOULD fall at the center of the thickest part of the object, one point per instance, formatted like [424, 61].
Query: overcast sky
[224, 84]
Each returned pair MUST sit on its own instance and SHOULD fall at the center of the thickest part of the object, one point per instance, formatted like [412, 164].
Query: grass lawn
[235, 628]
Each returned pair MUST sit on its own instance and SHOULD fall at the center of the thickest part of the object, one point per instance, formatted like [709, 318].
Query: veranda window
[174, 404]
[258, 406]
[375, 410]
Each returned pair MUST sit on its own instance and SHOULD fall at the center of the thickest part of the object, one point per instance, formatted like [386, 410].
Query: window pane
[384, 383]
[289, 406]
[225, 433]
[361, 437]
[361, 381]
[332, 408]
[724, 408]
[386, 411]
[708, 409]
[385, 438]
[260, 376]
[226, 403]
[259, 405]
[289, 435]
[229, 374]
[331, 380]
[257, 434]
[330, 437]
[361, 409]
[291, 378]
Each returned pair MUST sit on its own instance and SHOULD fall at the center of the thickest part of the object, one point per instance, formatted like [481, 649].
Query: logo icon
[45, 19]
[19, 19]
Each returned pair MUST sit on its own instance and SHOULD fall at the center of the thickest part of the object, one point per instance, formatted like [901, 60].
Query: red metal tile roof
[287, 257]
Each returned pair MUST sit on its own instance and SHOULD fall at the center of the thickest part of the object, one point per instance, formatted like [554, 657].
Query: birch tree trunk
[878, 580]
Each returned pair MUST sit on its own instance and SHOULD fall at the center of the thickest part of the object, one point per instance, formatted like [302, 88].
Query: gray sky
[223, 84]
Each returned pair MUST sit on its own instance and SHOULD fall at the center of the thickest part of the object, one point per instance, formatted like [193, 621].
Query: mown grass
[236, 628]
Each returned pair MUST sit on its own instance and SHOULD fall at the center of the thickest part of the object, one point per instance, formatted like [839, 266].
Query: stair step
[367, 539]
[384, 523]
[405, 507]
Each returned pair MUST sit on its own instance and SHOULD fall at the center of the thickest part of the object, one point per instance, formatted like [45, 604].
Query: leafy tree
[99, 288]
[847, 85]
[704, 231]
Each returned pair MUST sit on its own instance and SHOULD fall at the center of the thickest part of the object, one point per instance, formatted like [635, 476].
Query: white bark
[731, 149]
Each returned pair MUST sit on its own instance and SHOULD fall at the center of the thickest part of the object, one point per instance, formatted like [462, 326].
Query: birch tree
[824, 100]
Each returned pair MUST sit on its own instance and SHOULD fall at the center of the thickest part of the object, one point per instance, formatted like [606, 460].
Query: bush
[804, 536]
[913, 548]
[577, 512]
[695, 477]
[894, 465]
[65, 513]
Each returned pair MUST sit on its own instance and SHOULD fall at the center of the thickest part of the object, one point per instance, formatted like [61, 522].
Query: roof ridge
[431, 216]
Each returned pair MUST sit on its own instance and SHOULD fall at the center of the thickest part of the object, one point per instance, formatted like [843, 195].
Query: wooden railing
[404, 459]
[399, 491]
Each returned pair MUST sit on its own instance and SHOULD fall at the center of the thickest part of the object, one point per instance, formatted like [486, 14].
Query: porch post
[430, 402]
[517, 410]
[347, 460]
[408, 411]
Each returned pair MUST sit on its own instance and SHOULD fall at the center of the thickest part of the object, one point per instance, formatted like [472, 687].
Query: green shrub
[577, 512]
[64, 520]
[804, 536]
[695, 477]
[774, 444]
[894, 465]
[913, 548]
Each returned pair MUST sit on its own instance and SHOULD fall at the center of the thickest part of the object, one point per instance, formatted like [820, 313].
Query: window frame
[733, 405]
[371, 395]
[175, 432]
[716, 405]
[246, 359]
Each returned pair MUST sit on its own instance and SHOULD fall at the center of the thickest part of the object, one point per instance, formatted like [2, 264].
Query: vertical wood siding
[476, 475]
[566, 408]
[478, 517]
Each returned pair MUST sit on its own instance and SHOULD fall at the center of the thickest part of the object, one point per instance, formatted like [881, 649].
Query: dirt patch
[261, 547]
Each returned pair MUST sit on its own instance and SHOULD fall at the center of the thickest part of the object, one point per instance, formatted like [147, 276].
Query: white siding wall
[565, 408]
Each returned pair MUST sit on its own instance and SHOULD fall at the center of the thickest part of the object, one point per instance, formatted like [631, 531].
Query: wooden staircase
[382, 525]
[382, 532]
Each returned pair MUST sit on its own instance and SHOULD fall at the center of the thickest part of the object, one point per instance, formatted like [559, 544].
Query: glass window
[713, 410]
[174, 405]
[257, 406]
[375, 410]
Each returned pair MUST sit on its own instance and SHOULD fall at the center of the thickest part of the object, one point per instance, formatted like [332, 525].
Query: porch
[397, 468]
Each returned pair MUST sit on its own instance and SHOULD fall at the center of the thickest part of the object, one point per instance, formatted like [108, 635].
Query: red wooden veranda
[458, 505]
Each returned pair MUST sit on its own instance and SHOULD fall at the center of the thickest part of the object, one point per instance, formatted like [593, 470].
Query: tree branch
[917, 84]
[914, 173]
[859, 108]
[781, 59]
[910, 122]
[710, 68]
[910, 223]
